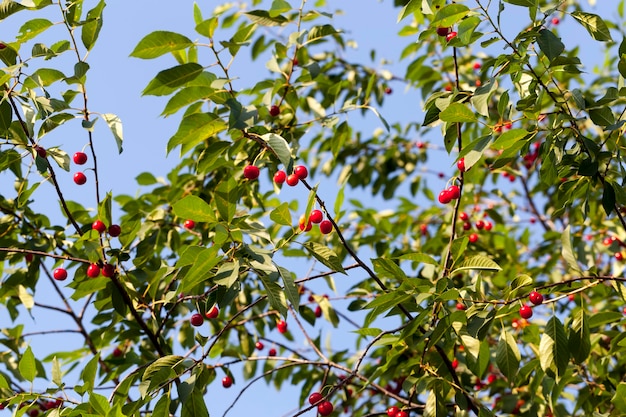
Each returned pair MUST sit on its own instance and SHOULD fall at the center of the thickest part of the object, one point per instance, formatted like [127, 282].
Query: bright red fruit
[326, 227]
[196, 320]
[461, 165]
[477, 65]
[99, 226]
[392, 411]
[455, 363]
[212, 313]
[555, 21]
[318, 311]
[251, 172]
[189, 224]
[281, 326]
[443, 31]
[526, 312]
[467, 226]
[80, 158]
[488, 225]
[473, 238]
[480, 224]
[460, 306]
[316, 216]
[274, 111]
[227, 381]
[280, 177]
[463, 216]
[93, 271]
[115, 230]
[315, 398]
[325, 408]
[445, 197]
[619, 256]
[59, 274]
[301, 171]
[80, 178]
[535, 298]
[292, 180]
[305, 227]
[450, 36]
[402, 414]
[454, 191]
[108, 270]
[259, 345]
[117, 352]
[271, 352]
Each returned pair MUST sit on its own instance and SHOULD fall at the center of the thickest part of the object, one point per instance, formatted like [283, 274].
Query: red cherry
[326, 227]
[477, 65]
[212, 313]
[189, 224]
[99, 226]
[461, 165]
[450, 36]
[315, 398]
[108, 270]
[445, 197]
[80, 158]
[93, 271]
[619, 256]
[443, 31]
[555, 21]
[463, 216]
[259, 345]
[488, 225]
[295, 62]
[271, 352]
[392, 411]
[526, 312]
[274, 111]
[117, 352]
[325, 408]
[455, 363]
[280, 177]
[535, 298]
[281, 326]
[467, 226]
[424, 229]
[301, 171]
[41, 151]
[305, 227]
[491, 378]
[480, 224]
[455, 191]
[59, 274]
[227, 381]
[251, 172]
[292, 180]
[115, 230]
[420, 145]
[316, 216]
[388, 90]
[473, 238]
[402, 414]
[80, 178]
[318, 311]
[29, 257]
[460, 306]
[196, 320]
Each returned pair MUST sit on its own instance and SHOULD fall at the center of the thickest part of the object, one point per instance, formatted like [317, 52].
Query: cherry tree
[493, 287]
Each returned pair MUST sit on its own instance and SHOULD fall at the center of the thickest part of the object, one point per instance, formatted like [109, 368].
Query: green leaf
[594, 25]
[477, 263]
[553, 347]
[194, 405]
[207, 27]
[325, 255]
[203, 260]
[194, 208]
[91, 29]
[263, 18]
[508, 355]
[275, 295]
[602, 116]
[25, 297]
[413, 7]
[608, 198]
[195, 128]
[168, 80]
[525, 3]
[619, 399]
[167, 362]
[567, 252]
[32, 28]
[386, 268]
[57, 375]
[115, 124]
[226, 198]
[291, 289]
[162, 407]
[7, 8]
[6, 116]
[160, 42]
[579, 340]
[449, 15]
[549, 44]
[281, 215]
[27, 365]
[508, 139]
[227, 273]
[185, 97]
[419, 257]
[43, 77]
[279, 7]
[604, 317]
[281, 148]
[3, 382]
[457, 113]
